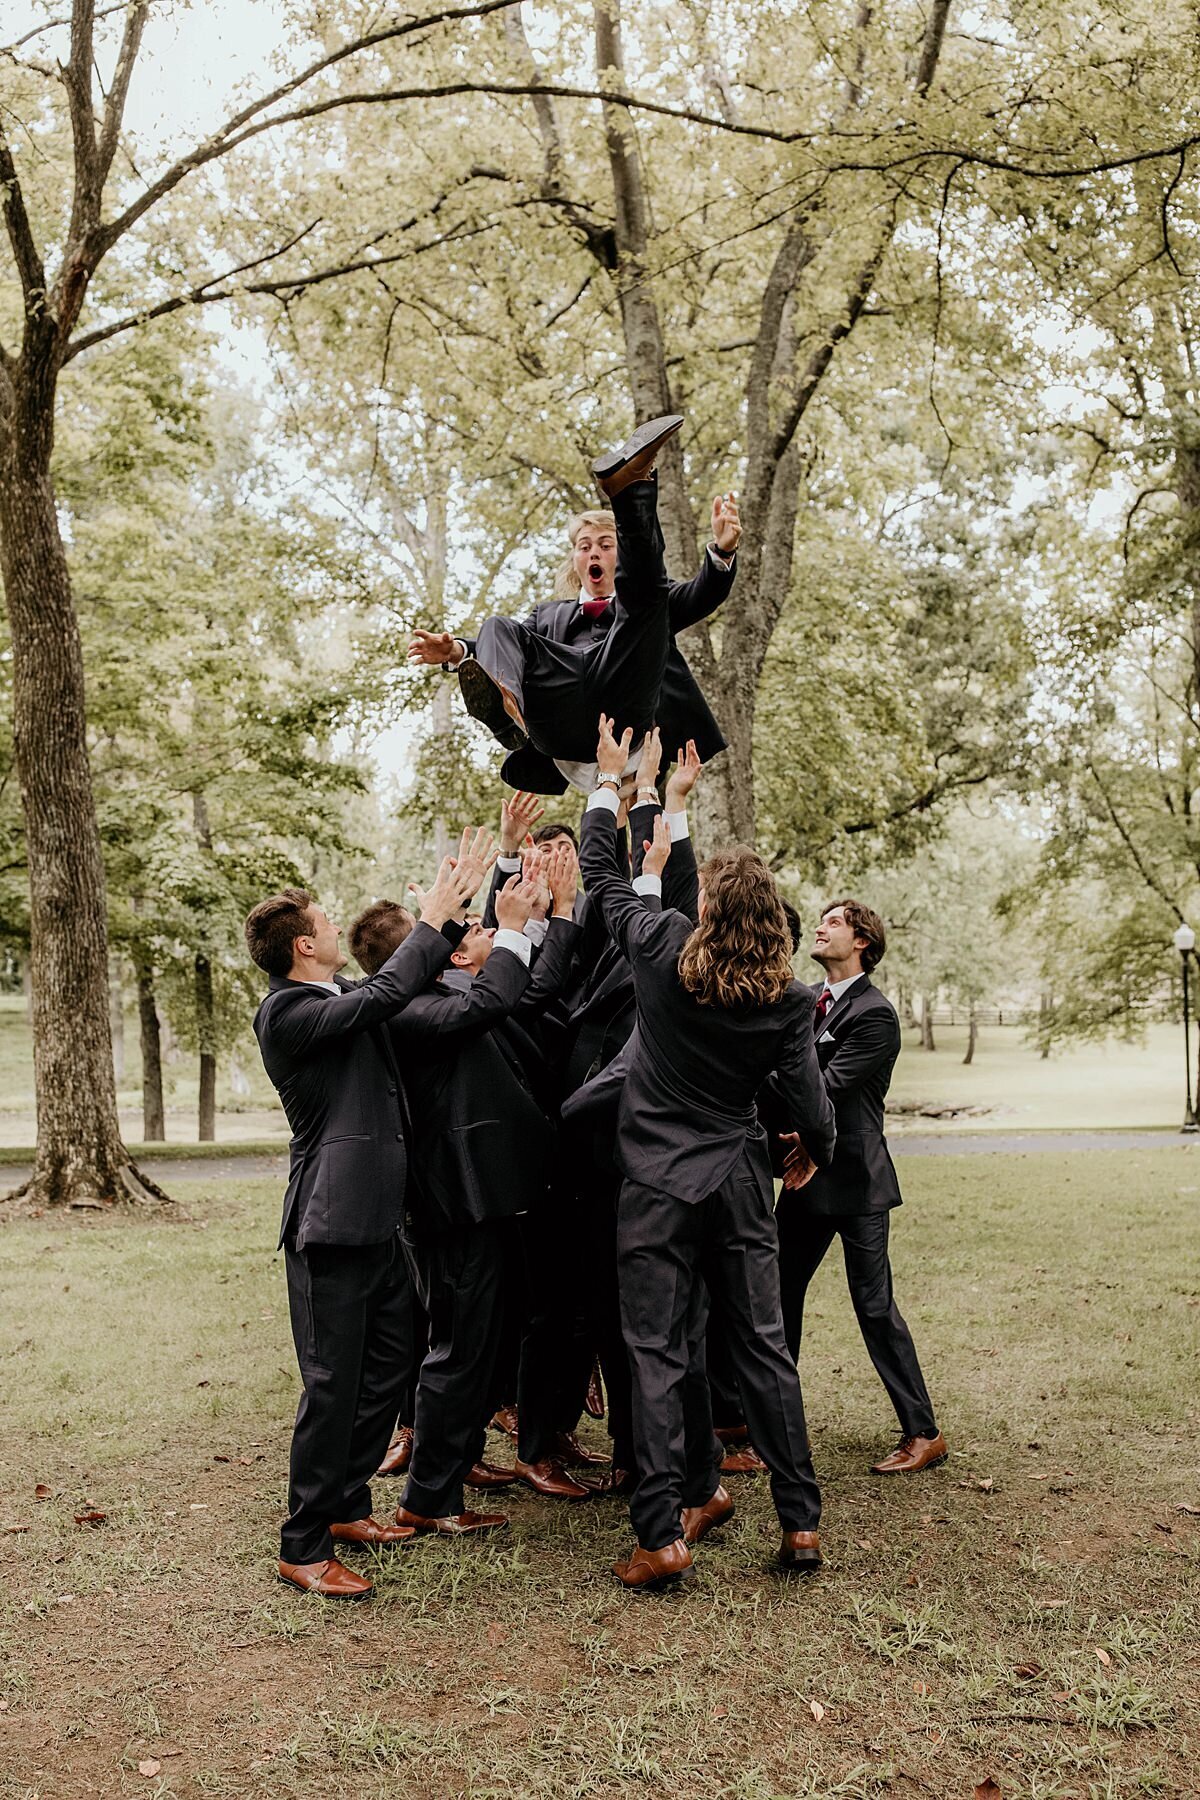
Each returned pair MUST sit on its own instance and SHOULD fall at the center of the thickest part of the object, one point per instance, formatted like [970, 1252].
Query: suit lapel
[843, 1003]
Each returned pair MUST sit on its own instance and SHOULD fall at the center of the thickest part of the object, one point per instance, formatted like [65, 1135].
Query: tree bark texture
[79, 1149]
[972, 1035]
[154, 1117]
[927, 1042]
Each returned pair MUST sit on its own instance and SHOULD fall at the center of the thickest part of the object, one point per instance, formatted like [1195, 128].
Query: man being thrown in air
[538, 683]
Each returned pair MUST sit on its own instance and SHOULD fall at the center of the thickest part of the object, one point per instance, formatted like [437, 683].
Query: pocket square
[827, 1037]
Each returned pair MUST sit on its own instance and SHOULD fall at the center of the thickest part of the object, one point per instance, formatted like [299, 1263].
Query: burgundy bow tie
[594, 609]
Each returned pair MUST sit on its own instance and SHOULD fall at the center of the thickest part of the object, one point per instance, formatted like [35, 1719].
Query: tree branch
[114, 108]
[20, 234]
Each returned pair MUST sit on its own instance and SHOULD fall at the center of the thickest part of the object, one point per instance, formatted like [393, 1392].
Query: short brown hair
[554, 828]
[378, 931]
[273, 926]
[864, 924]
[740, 953]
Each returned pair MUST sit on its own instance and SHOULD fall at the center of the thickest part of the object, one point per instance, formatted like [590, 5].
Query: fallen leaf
[1027, 1671]
[16, 1528]
[496, 1633]
[921, 1687]
[988, 1790]
[720, 1712]
[247, 1460]
[1159, 1526]
[219, 1458]
[817, 1710]
[1061, 1698]
[198, 1506]
[41, 1491]
[91, 1517]
[149, 1766]
[984, 1484]
[864, 1543]
[1183, 1507]
[1103, 1658]
[3, 1705]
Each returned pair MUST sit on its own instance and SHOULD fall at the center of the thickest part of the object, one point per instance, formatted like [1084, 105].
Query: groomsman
[858, 1041]
[347, 1292]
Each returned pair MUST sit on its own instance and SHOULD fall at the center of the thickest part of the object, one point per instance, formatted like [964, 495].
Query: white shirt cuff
[677, 825]
[536, 929]
[647, 885]
[722, 562]
[516, 941]
[509, 865]
[604, 798]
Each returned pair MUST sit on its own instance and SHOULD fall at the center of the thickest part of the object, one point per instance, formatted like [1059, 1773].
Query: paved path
[217, 1169]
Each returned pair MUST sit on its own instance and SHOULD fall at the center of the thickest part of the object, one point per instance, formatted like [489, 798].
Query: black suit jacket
[857, 1046]
[687, 1109]
[683, 711]
[481, 1137]
[324, 1055]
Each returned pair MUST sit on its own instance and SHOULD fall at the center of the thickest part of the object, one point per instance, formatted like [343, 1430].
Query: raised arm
[300, 1019]
[494, 993]
[690, 601]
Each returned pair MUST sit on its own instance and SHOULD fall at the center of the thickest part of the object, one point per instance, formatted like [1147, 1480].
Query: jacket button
[391, 1090]
[399, 1137]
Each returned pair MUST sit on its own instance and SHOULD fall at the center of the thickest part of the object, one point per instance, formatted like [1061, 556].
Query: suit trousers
[804, 1239]
[350, 1307]
[556, 1347]
[598, 1192]
[459, 1276]
[562, 687]
[668, 1252]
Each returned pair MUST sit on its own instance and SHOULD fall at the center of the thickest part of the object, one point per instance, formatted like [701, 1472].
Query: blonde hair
[740, 954]
[566, 582]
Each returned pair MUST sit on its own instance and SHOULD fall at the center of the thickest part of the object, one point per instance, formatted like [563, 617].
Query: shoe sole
[653, 431]
[935, 1462]
[480, 692]
[805, 1566]
[587, 1494]
[298, 1587]
[659, 1583]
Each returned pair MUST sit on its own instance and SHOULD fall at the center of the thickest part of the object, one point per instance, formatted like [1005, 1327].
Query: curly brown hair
[740, 953]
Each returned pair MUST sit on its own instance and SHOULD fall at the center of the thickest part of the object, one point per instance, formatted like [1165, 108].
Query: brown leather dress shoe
[594, 1403]
[655, 1568]
[698, 1521]
[460, 1525]
[399, 1452]
[505, 1419]
[486, 700]
[378, 1533]
[744, 1460]
[800, 1550]
[486, 1475]
[331, 1579]
[551, 1480]
[568, 1449]
[634, 461]
[913, 1454]
[613, 1481]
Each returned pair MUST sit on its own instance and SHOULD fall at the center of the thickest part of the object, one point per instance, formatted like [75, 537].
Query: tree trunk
[1045, 1005]
[972, 1034]
[206, 1032]
[154, 1118]
[80, 1158]
[927, 1042]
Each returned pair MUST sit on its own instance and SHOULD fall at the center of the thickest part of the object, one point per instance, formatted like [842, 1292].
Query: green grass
[1093, 1087]
[956, 1633]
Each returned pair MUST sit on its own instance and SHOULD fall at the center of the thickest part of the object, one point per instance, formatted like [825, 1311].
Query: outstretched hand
[683, 777]
[612, 754]
[657, 852]
[515, 903]
[518, 817]
[433, 647]
[651, 759]
[726, 523]
[562, 873]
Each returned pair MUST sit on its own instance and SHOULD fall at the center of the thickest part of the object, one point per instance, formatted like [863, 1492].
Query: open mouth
[595, 572]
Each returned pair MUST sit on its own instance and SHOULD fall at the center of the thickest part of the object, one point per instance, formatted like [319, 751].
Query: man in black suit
[322, 1047]
[858, 1041]
[481, 1152]
[538, 683]
[717, 1012]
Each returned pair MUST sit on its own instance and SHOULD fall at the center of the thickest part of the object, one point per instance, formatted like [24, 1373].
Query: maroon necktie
[824, 1002]
[594, 609]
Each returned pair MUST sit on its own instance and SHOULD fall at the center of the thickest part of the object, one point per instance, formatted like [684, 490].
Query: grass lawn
[1030, 1612]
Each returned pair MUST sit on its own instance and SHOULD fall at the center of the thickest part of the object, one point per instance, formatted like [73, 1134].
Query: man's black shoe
[484, 700]
[634, 461]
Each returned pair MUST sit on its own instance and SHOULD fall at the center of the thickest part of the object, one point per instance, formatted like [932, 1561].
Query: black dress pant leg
[724, 1398]
[412, 1343]
[460, 1279]
[334, 1294]
[804, 1239]
[625, 672]
[741, 1269]
[599, 1190]
[703, 1450]
[387, 1368]
[887, 1337]
[658, 1248]
[556, 1355]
